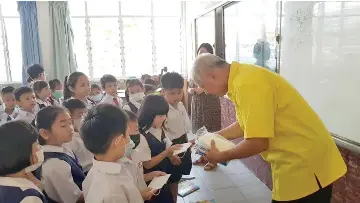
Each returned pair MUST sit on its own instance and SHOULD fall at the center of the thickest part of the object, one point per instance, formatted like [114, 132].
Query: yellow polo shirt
[301, 147]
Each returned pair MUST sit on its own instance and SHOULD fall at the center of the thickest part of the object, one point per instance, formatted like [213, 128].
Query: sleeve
[31, 199]
[126, 107]
[167, 139]
[255, 110]
[58, 181]
[144, 147]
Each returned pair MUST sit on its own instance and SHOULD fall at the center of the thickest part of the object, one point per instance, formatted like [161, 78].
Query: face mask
[77, 124]
[58, 94]
[136, 139]
[96, 98]
[137, 97]
[40, 158]
[129, 148]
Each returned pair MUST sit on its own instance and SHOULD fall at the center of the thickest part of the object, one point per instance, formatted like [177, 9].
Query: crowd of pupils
[73, 143]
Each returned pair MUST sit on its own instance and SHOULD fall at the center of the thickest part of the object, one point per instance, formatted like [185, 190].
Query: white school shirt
[4, 116]
[110, 182]
[156, 132]
[57, 179]
[25, 116]
[88, 103]
[136, 171]
[38, 102]
[23, 184]
[84, 156]
[177, 122]
[108, 99]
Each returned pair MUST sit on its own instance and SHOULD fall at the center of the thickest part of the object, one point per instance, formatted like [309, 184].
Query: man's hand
[213, 155]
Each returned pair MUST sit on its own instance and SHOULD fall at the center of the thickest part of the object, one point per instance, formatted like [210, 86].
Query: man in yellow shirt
[277, 123]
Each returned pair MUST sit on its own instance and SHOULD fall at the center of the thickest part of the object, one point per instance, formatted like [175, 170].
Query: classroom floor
[231, 184]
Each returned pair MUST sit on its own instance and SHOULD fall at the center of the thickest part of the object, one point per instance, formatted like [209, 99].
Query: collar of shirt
[156, 132]
[234, 67]
[107, 167]
[41, 102]
[174, 107]
[26, 113]
[22, 183]
[52, 148]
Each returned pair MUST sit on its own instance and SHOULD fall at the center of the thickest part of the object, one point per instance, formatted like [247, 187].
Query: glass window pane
[14, 45]
[103, 8]
[105, 46]
[142, 8]
[77, 8]
[258, 44]
[168, 43]
[205, 29]
[78, 26]
[9, 8]
[138, 46]
[167, 8]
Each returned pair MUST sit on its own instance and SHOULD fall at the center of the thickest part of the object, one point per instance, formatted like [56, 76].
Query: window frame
[122, 53]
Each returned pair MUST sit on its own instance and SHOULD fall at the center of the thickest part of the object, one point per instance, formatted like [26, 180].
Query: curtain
[30, 42]
[63, 39]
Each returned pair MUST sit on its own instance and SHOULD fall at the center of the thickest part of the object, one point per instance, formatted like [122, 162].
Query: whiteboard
[320, 56]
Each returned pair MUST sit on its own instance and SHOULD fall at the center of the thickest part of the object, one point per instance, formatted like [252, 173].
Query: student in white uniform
[26, 100]
[152, 116]
[108, 181]
[134, 95]
[8, 110]
[139, 154]
[42, 93]
[109, 84]
[96, 93]
[61, 173]
[77, 110]
[57, 95]
[178, 123]
[20, 154]
[35, 73]
[77, 86]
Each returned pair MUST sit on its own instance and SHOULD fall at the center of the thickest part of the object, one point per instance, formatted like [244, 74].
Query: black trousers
[321, 196]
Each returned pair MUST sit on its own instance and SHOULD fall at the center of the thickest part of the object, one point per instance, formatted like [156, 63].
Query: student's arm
[157, 159]
[58, 181]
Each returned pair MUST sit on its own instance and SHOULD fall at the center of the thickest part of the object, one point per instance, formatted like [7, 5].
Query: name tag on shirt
[183, 148]
[159, 182]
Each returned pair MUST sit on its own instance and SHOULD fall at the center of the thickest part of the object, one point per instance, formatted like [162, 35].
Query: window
[126, 40]
[10, 43]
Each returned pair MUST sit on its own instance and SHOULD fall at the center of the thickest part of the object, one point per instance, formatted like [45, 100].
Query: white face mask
[137, 96]
[40, 158]
[97, 98]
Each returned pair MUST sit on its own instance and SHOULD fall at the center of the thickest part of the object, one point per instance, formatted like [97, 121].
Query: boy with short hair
[177, 124]
[109, 85]
[8, 111]
[105, 134]
[26, 100]
[96, 93]
[20, 154]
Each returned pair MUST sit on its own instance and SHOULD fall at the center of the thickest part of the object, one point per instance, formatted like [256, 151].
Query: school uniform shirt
[55, 102]
[25, 116]
[301, 149]
[84, 156]
[108, 99]
[57, 178]
[4, 117]
[132, 106]
[177, 122]
[89, 103]
[110, 182]
[40, 105]
[19, 190]
[156, 132]
[136, 171]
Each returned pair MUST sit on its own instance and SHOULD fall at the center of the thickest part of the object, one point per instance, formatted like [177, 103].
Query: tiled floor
[227, 184]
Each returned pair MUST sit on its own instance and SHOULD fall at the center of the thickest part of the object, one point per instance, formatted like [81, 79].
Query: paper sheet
[159, 182]
[183, 148]
[221, 143]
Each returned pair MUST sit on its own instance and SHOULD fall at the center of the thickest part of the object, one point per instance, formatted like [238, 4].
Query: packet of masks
[203, 142]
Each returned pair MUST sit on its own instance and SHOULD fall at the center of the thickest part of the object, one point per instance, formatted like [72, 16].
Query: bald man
[277, 123]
